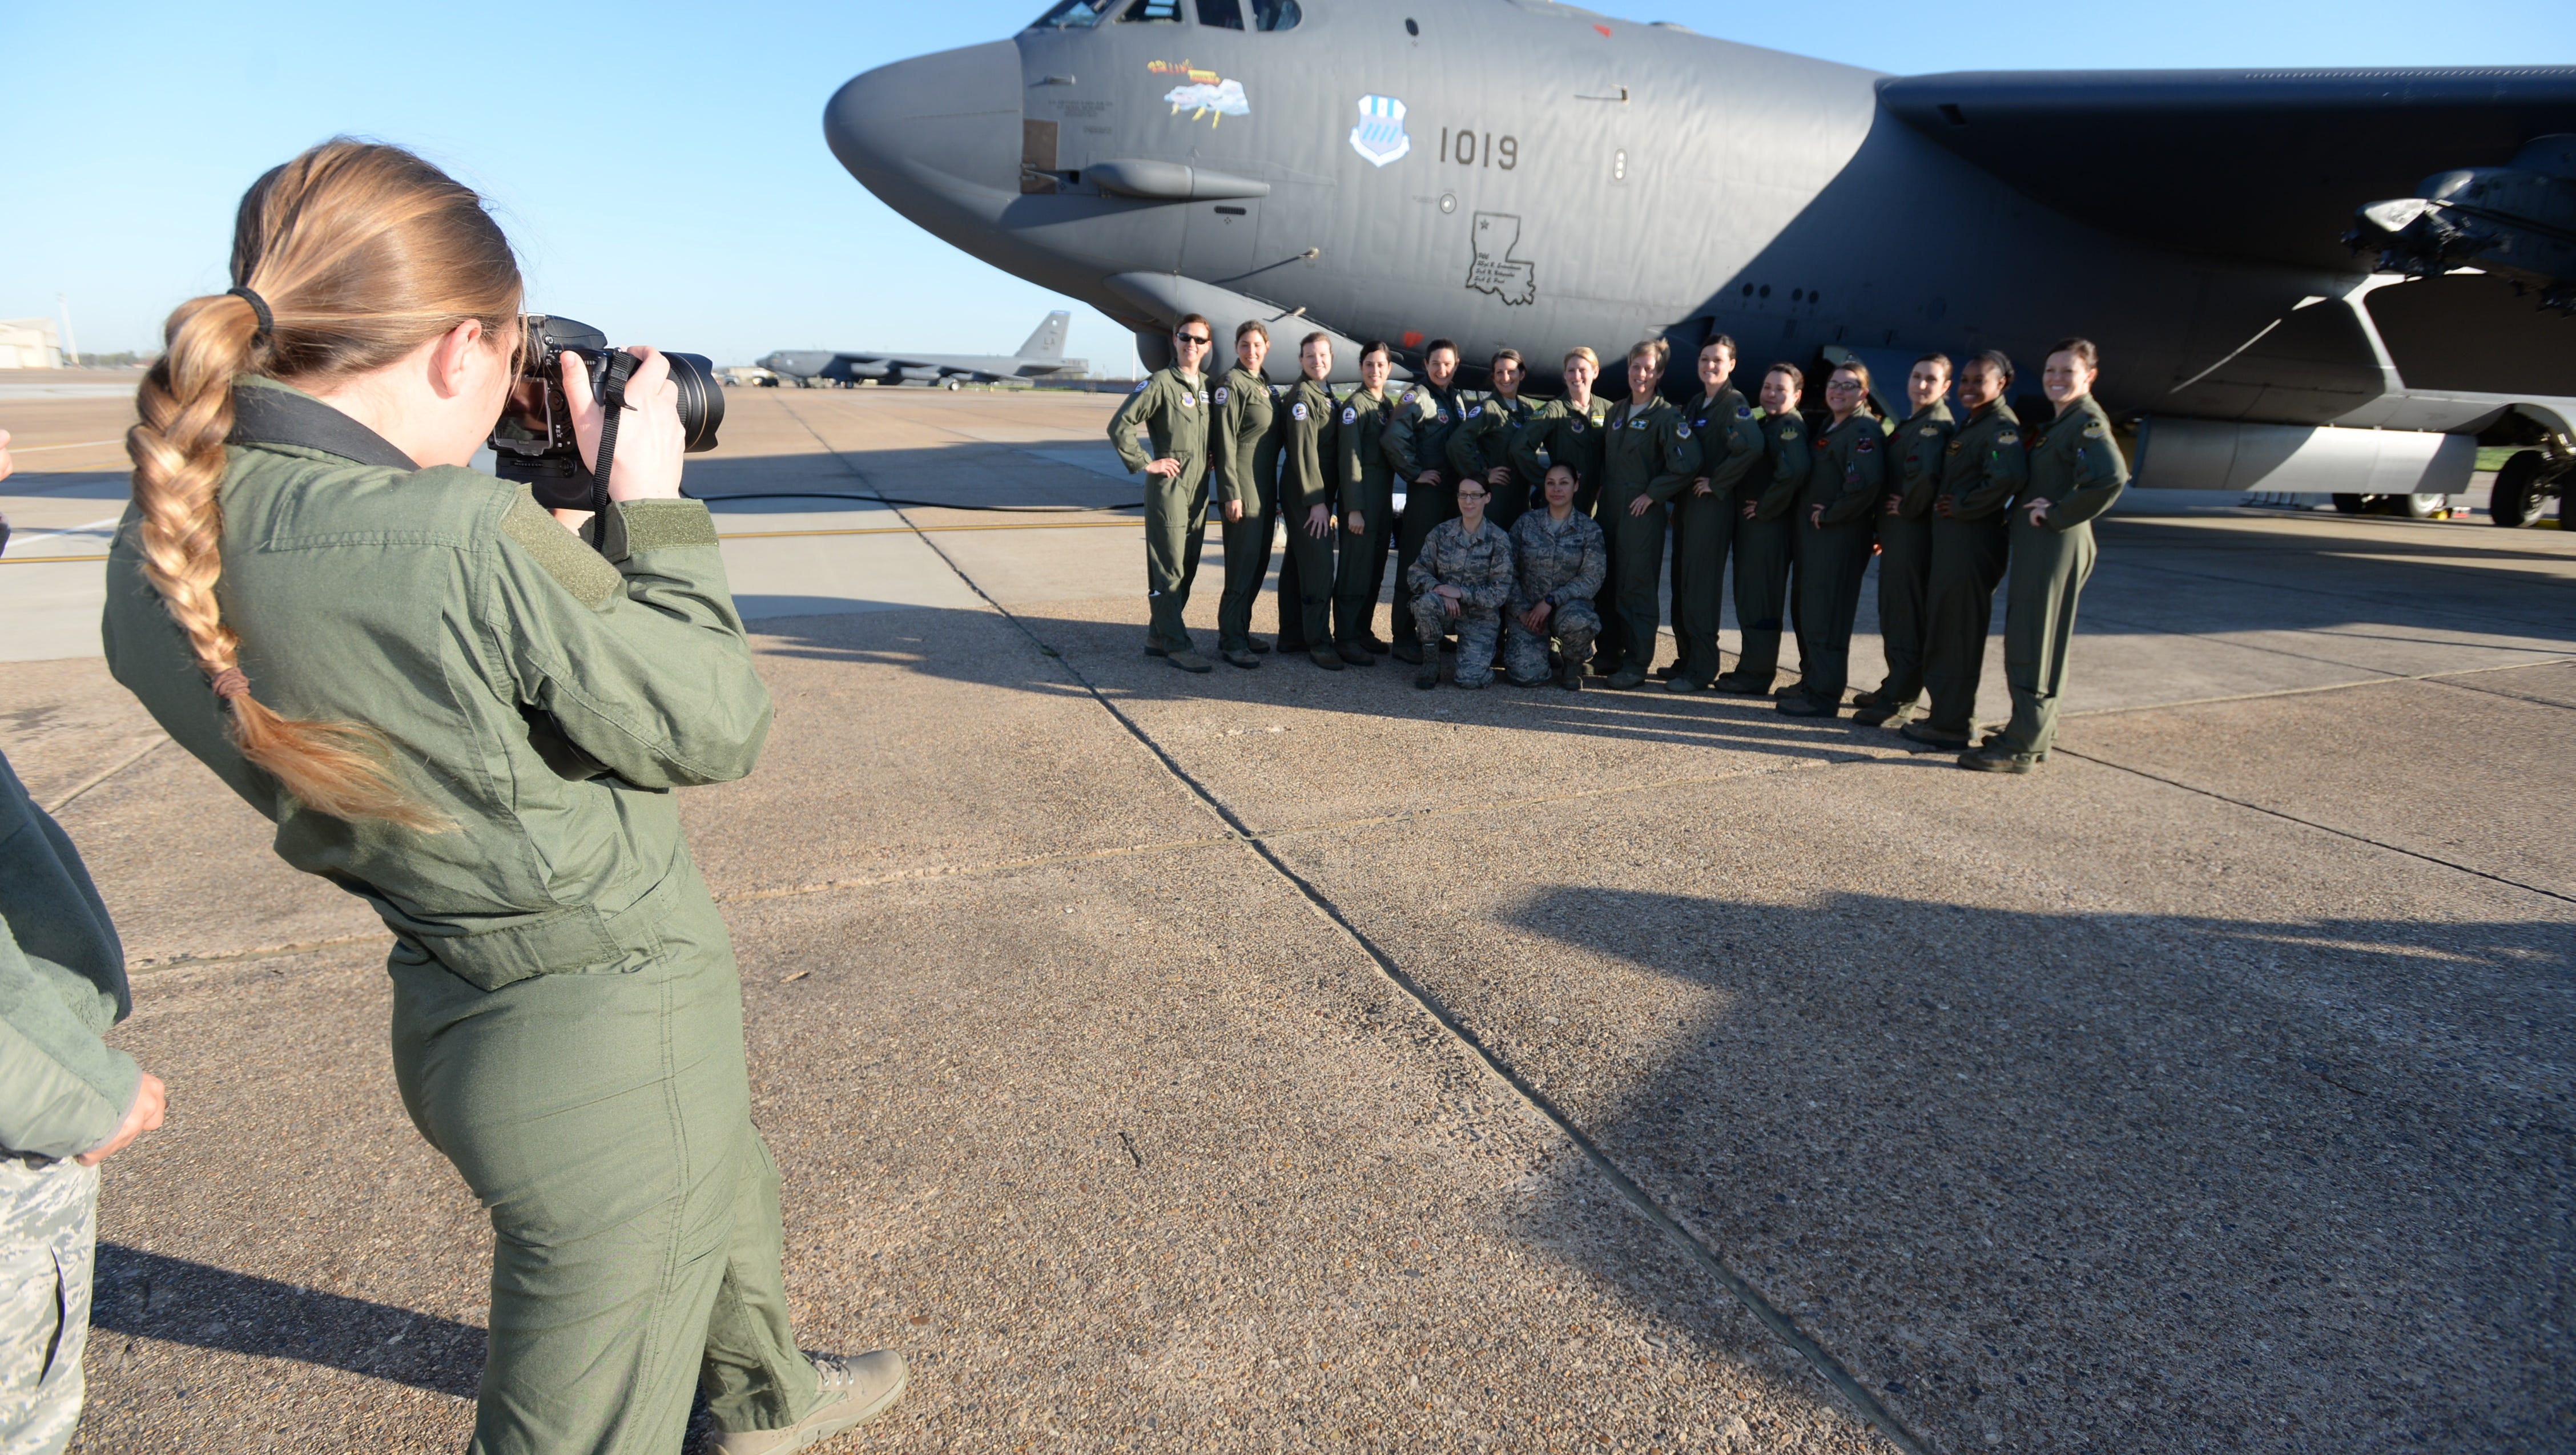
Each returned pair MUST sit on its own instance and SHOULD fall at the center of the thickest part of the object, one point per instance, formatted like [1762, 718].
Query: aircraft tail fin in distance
[1047, 344]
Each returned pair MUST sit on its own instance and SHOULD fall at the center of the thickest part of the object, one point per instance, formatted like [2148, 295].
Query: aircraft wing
[2250, 164]
[922, 368]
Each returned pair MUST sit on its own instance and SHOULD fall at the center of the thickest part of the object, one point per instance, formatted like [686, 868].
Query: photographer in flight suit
[455, 708]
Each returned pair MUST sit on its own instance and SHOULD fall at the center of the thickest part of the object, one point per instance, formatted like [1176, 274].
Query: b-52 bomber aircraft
[2301, 280]
[1042, 357]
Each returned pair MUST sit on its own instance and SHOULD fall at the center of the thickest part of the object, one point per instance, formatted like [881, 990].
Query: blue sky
[661, 166]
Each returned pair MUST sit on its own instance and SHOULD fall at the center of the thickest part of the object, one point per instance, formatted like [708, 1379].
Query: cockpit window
[1266, 14]
[1153, 10]
[1073, 15]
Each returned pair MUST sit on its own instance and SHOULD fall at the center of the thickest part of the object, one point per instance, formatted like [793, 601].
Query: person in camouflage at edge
[1459, 582]
[1559, 558]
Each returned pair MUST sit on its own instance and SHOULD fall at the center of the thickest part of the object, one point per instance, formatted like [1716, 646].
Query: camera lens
[702, 402]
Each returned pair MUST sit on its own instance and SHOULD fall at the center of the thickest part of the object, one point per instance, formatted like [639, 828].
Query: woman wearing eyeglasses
[1173, 408]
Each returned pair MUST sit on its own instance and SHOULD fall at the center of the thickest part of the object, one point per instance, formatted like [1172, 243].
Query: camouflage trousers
[48, 1230]
[1573, 625]
[1476, 632]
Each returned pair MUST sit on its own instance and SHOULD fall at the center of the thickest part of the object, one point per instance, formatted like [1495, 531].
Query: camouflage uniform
[63, 1092]
[1561, 563]
[51, 1212]
[1480, 566]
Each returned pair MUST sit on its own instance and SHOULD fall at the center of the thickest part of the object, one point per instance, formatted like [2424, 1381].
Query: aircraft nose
[933, 121]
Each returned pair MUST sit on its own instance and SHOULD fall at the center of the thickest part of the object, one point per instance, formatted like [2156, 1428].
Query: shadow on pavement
[2076, 1181]
[172, 1299]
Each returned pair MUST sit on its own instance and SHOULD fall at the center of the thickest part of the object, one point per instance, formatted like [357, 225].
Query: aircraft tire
[2351, 504]
[2417, 507]
[2515, 501]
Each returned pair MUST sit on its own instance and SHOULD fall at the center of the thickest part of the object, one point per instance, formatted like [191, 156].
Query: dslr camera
[533, 442]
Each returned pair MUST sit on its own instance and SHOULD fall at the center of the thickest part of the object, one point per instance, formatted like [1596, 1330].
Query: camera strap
[620, 367]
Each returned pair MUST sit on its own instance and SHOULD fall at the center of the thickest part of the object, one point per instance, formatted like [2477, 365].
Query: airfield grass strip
[1643, 1203]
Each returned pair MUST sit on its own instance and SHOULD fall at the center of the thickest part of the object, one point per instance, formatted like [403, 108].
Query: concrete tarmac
[1290, 1060]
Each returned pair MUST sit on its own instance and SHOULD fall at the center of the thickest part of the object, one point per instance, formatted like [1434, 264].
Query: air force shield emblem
[1380, 135]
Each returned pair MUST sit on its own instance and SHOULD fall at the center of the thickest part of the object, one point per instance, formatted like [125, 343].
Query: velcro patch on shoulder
[2007, 438]
[561, 554]
[653, 525]
[1868, 442]
[1223, 394]
[2093, 429]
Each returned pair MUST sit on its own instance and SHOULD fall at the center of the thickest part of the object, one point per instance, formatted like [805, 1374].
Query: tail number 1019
[1471, 149]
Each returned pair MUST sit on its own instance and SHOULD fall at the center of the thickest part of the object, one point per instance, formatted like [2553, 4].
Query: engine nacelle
[2517, 222]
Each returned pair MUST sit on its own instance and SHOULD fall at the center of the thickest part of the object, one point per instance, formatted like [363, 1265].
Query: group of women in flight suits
[1535, 532]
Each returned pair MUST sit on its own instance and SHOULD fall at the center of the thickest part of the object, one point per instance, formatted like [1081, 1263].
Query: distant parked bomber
[2300, 280]
[1042, 357]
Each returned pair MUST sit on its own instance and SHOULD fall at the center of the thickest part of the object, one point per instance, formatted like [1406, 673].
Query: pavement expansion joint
[2381, 680]
[1820, 1362]
[104, 774]
[2485, 874]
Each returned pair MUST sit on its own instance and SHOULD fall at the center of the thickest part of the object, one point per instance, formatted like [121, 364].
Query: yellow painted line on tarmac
[78, 445]
[767, 535]
[905, 530]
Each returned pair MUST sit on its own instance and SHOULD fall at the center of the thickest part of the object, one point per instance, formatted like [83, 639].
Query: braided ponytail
[361, 253]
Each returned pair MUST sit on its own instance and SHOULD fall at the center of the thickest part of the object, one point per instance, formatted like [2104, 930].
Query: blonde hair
[360, 253]
[1653, 348]
[1583, 352]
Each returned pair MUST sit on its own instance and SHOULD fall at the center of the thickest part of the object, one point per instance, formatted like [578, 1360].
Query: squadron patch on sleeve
[1297, 412]
[2093, 429]
[1221, 395]
[1444, 416]
[1350, 414]
[1790, 433]
[1141, 386]
[1744, 411]
[1865, 444]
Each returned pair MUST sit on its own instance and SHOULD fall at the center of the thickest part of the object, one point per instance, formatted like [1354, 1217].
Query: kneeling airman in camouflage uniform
[1559, 558]
[1459, 582]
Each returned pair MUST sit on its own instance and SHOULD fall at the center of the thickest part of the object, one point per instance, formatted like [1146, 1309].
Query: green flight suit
[1918, 450]
[1173, 408]
[567, 1020]
[63, 1092]
[2076, 467]
[1367, 485]
[1730, 441]
[1846, 479]
[1416, 440]
[1245, 458]
[1483, 444]
[1309, 476]
[1987, 465]
[1652, 454]
[1766, 541]
[1557, 433]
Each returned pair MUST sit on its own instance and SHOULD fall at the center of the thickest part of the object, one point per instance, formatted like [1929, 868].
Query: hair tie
[259, 310]
[230, 683]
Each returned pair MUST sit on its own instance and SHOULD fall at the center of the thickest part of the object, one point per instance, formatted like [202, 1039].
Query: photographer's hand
[650, 442]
